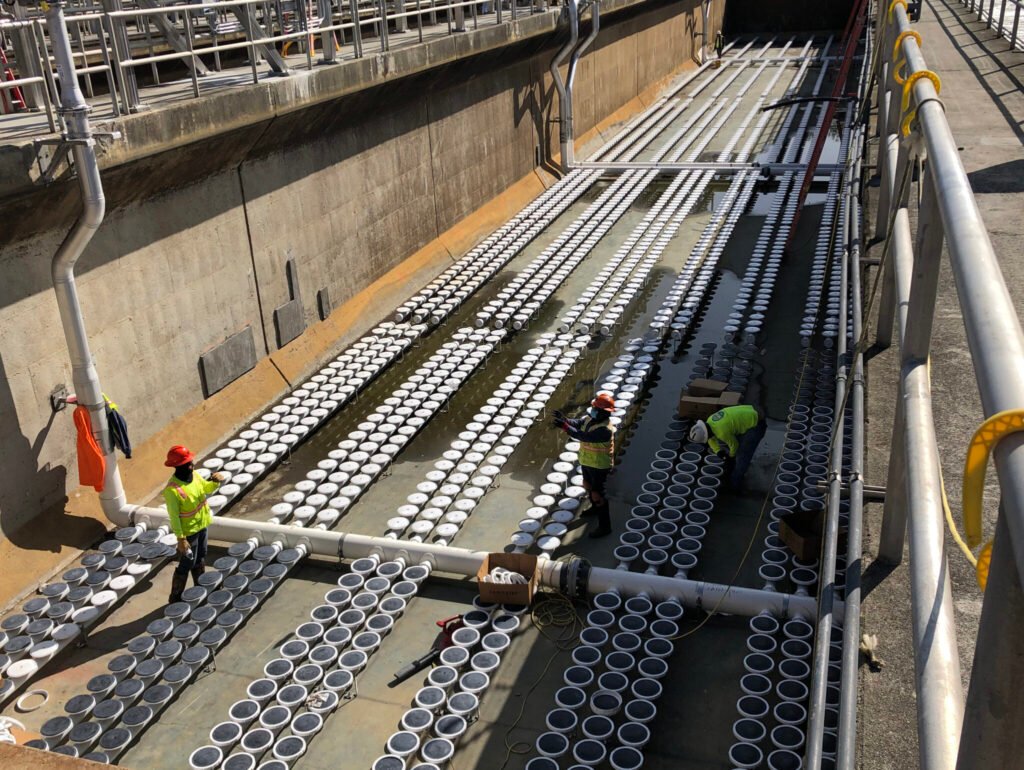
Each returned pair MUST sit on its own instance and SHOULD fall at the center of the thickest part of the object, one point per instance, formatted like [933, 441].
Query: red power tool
[448, 627]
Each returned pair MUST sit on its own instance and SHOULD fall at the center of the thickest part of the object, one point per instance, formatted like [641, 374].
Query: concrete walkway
[983, 93]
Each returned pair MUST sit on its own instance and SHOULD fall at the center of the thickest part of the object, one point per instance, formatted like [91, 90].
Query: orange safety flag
[92, 467]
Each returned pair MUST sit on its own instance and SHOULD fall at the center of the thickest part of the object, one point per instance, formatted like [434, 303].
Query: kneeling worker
[189, 514]
[597, 450]
[735, 433]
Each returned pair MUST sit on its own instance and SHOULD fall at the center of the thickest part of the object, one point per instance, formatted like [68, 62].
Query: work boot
[604, 520]
[198, 570]
[589, 512]
[178, 583]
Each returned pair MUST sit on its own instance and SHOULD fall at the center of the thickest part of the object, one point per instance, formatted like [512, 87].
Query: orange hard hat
[177, 456]
[603, 401]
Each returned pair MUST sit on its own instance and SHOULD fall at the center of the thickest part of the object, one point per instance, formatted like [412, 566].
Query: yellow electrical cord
[549, 610]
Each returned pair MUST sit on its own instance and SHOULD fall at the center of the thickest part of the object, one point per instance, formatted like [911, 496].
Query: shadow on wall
[53, 528]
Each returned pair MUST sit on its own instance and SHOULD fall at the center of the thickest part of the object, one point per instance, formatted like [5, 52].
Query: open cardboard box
[701, 407]
[801, 531]
[501, 593]
[703, 387]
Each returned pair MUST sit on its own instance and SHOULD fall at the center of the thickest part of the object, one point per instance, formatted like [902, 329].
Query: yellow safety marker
[910, 115]
[897, 53]
[985, 439]
[892, 8]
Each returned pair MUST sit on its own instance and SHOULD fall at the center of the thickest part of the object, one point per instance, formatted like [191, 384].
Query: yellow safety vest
[187, 508]
[596, 454]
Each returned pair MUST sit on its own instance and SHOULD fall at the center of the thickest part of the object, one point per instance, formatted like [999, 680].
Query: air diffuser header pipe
[74, 111]
[575, 577]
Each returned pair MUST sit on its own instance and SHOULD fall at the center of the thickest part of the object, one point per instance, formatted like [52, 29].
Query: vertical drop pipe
[74, 111]
[569, 141]
[565, 130]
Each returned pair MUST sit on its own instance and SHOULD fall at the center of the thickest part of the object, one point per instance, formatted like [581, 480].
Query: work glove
[558, 422]
[559, 416]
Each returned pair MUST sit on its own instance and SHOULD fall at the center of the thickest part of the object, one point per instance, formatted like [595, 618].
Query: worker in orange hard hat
[596, 454]
[189, 514]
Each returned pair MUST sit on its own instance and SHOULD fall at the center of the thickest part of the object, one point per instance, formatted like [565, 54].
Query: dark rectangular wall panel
[289, 321]
[228, 361]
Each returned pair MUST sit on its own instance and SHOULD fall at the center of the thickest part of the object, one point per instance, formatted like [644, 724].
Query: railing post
[937, 662]
[897, 236]
[357, 32]
[916, 324]
[327, 41]
[992, 737]
[893, 534]
[122, 53]
[29, 60]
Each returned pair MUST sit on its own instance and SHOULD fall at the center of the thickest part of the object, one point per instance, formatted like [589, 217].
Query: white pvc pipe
[565, 576]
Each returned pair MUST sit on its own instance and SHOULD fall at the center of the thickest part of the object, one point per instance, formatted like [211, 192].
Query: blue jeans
[197, 543]
[745, 453]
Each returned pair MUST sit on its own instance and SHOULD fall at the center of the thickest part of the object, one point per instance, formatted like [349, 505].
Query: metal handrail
[113, 35]
[999, 21]
[913, 130]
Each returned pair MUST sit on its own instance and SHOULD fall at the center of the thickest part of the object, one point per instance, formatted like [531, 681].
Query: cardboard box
[706, 388]
[501, 593]
[702, 407]
[728, 399]
[697, 407]
[801, 531]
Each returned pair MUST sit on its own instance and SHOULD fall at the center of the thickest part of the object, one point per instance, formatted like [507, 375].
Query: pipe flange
[573, 578]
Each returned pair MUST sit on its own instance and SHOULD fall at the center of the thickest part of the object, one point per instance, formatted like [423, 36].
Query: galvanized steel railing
[112, 43]
[1002, 17]
[914, 134]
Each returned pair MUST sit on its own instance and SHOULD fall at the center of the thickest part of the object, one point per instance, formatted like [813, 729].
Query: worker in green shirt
[733, 433]
[189, 514]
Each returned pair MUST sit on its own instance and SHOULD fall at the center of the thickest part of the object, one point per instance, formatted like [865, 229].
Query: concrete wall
[194, 247]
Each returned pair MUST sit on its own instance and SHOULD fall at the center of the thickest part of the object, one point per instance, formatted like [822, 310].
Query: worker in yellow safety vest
[596, 455]
[189, 514]
[732, 433]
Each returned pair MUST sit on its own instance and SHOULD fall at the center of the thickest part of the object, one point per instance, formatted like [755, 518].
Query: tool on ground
[443, 640]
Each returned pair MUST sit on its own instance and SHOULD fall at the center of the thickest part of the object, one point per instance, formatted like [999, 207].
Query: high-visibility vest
[187, 508]
[596, 454]
[727, 425]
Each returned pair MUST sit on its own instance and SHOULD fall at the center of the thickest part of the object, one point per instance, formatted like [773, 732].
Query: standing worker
[735, 433]
[597, 450]
[189, 514]
[719, 45]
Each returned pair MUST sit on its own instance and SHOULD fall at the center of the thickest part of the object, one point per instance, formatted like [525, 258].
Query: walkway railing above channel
[1001, 16]
[920, 169]
[120, 48]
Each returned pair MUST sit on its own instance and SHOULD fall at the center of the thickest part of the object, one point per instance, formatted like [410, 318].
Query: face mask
[593, 412]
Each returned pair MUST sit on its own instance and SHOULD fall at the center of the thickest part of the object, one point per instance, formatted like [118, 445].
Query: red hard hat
[178, 455]
[603, 401]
